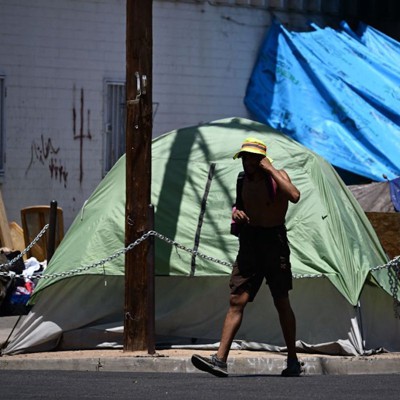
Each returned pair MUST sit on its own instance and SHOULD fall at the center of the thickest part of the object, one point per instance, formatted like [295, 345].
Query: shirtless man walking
[261, 206]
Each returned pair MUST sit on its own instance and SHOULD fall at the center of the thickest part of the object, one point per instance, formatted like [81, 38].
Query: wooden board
[17, 236]
[387, 227]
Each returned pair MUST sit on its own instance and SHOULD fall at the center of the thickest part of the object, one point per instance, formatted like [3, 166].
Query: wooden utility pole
[138, 276]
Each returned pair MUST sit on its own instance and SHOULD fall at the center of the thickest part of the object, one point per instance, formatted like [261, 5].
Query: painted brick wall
[203, 57]
[56, 55]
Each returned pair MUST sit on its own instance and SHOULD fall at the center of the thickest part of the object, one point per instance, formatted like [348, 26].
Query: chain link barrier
[15, 259]
[77, 270]
[393, 269]
[393, 266]
[123, 251]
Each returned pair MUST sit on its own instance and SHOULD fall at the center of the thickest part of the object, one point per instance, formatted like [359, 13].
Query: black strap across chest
[239, 186]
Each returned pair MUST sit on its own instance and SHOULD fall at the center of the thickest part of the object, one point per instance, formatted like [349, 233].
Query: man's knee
[282, 304]
[238, 301]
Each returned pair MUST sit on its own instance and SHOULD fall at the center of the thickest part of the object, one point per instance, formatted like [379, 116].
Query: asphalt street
[18, 385]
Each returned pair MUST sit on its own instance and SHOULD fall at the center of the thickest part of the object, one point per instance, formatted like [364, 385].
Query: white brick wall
[51, 50]
[202, 59]
[47, 49]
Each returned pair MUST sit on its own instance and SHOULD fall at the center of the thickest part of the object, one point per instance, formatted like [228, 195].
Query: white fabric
[192, 310]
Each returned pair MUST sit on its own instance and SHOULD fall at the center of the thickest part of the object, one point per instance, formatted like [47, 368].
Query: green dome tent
[332, 242]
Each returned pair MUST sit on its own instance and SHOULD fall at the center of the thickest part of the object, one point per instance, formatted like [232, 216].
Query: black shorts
[263, 253]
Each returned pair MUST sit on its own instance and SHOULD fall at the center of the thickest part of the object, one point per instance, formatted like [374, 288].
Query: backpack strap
[270, 184]
[235, 228]
[271, 187]
[239, 185]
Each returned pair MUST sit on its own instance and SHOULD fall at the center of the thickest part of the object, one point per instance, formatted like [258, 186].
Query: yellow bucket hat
[252, 145]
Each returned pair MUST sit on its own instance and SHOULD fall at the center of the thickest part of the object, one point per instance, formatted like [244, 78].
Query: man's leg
[288, 324]
[216, 364]
[233, 320]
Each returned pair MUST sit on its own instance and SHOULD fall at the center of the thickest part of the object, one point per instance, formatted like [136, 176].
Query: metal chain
[177, 245]
[394, 282]
[394, 262]
[86, 267]
[134, 244]
[393, 269]
[34, 241]
[191, 251]
[216, 260]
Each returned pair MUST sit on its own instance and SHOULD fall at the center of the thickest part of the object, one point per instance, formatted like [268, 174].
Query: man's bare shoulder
[284, 174]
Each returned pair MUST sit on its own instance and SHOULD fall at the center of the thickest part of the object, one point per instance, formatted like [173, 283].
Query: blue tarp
[336, 92]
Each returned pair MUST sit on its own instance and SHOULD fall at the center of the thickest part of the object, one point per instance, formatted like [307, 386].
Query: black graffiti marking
[41, 152]
[81, 134]
[58, 171]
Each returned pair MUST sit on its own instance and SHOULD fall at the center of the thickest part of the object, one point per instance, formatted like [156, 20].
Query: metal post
[151, 341]
[51, 235]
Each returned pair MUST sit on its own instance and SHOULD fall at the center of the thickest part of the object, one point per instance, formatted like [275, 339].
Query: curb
[241, 366]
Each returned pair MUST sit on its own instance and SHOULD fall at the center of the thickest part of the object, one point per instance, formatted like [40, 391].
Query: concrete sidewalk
[241, 362]
[177, 360]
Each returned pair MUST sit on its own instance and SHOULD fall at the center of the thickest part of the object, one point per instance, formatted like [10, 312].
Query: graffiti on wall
[80, 133]
[58, 171]
[46, 153]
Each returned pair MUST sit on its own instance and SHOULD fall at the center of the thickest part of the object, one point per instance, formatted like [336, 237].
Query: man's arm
[282, 180]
